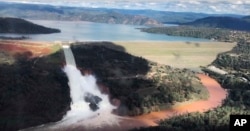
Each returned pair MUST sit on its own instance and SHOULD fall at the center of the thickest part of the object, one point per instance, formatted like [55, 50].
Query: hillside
[34, 87]
[236, 59]
[34, 11]
[47, 12]
[237, 83]
[117, 18]
[217, 34]
[21, 26]
[236, 64]
[247, 18]
[154, 86]
[165, 16]
[222, 22]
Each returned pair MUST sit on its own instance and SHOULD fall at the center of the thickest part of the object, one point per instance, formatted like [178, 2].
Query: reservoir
[89, 31]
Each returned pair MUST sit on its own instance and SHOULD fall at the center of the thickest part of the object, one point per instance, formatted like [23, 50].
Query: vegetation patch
[34, 88]
[237, 102]
[33, 91]
[217, 34]
[139, 84]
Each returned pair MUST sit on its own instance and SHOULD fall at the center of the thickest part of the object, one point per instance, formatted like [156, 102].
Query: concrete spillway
[87, 100]
[69, 57]
[89, 108]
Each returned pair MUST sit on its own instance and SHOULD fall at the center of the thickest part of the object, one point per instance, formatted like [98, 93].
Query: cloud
[199, 6]
[194, 2]
[181, 5]
[214, 8]
[239, 2]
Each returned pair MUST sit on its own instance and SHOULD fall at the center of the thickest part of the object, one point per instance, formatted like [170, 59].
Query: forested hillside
[21, 26]
[141, 86]
[247, 18]
[225, 29]
[34, 89]
[236, 82]
[223, 35]
[222, 22]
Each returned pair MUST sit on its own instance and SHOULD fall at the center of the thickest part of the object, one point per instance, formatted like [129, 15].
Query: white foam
[80, 85]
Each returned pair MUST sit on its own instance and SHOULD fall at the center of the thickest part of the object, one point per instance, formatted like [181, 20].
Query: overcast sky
[202, 6]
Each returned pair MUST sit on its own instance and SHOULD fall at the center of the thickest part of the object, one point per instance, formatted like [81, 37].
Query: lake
[89, 31]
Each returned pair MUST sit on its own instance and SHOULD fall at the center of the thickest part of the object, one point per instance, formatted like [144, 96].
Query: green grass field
[177, 54]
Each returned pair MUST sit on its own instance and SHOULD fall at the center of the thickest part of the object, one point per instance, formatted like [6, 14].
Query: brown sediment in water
[216, 95]
[216, 92]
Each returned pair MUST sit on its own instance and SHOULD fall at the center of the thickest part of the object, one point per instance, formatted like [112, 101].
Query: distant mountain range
[48, 12]
[241, 24]
[20, 26]
[172, 17]
[226, 29]
[100, 15]
[247, 18]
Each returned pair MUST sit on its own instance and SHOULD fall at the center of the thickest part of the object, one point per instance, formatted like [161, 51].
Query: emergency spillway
[87, 100]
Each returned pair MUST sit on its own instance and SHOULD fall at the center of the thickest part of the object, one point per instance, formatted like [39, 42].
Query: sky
[200, 6]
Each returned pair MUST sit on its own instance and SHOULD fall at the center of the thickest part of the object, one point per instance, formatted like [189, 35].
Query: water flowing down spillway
[91, 110]
[89, 106]
[69, 57]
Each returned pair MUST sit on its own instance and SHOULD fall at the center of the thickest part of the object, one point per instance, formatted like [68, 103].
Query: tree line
[237, 101]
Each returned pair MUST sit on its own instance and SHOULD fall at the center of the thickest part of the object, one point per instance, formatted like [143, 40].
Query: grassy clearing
[178, 54]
